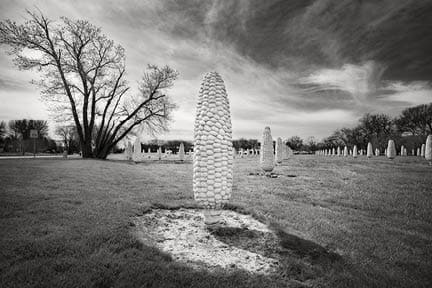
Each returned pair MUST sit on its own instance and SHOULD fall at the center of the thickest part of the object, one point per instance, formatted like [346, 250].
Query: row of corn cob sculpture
[390, 151]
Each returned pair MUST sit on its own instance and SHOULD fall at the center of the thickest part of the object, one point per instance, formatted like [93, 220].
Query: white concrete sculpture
[213, 153]
[428, 149]
[159, 153]
[391, 150]
[279, 151]
[181, 152]
[267, 153]
[136, 156]
[355, 151]
[369, 150]
[128, 151]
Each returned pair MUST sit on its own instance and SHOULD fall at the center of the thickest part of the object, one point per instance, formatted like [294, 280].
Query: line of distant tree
[172, 145]
[410, 129]
[15, 136]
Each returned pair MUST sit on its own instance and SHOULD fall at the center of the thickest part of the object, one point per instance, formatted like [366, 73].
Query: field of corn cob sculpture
[266, 153]
[213, 153]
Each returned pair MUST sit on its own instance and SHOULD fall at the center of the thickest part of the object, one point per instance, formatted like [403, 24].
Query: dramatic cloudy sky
[302, 67]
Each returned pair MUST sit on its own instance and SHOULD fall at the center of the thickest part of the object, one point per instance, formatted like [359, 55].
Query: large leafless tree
[84, 80]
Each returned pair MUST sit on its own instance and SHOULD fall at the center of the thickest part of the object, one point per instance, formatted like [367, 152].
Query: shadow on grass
[280, 243]
[112, 258]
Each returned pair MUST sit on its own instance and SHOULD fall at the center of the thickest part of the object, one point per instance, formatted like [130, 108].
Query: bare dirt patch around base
[240, 243]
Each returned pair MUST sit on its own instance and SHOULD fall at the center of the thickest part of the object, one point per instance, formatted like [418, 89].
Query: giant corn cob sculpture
[369, 150]
[279, 151]
[423, 150]
[137, 150]
[284, 150]
[428, 149]
[266, 153]
[213, 153]
[391, 150]
[346, 151]
[159, 153]
[181, 152]
[355, 151]
[128, 151]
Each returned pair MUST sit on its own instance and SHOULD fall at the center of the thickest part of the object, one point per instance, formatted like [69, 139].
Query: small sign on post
[34, 135]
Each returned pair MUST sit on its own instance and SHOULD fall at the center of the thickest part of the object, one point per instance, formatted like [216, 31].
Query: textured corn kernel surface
[267, 153]
[213, 153]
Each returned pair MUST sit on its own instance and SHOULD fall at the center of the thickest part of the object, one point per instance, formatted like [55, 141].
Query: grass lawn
[345, 222]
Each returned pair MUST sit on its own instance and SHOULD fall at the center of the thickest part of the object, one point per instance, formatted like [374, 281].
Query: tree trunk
[86, 149]
[103, 153]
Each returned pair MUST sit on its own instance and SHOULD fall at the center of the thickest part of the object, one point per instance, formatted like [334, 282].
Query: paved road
[38, 156]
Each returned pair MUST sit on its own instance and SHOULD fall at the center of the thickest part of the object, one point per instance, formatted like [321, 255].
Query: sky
[302, 67]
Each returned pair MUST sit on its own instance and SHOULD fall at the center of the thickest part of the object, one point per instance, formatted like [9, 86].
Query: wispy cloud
[303, 67]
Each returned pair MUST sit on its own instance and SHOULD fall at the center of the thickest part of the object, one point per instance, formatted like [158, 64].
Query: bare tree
[295, 142]
[68, 135]
[84, 80]
[2, 129]
[21, 128]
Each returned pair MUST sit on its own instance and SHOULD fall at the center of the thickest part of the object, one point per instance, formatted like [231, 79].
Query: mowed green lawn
[347, 222]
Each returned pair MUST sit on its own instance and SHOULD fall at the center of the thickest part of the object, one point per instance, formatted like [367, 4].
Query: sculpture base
[212, 217]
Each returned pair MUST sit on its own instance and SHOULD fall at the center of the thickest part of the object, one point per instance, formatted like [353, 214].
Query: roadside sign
[33, 133]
